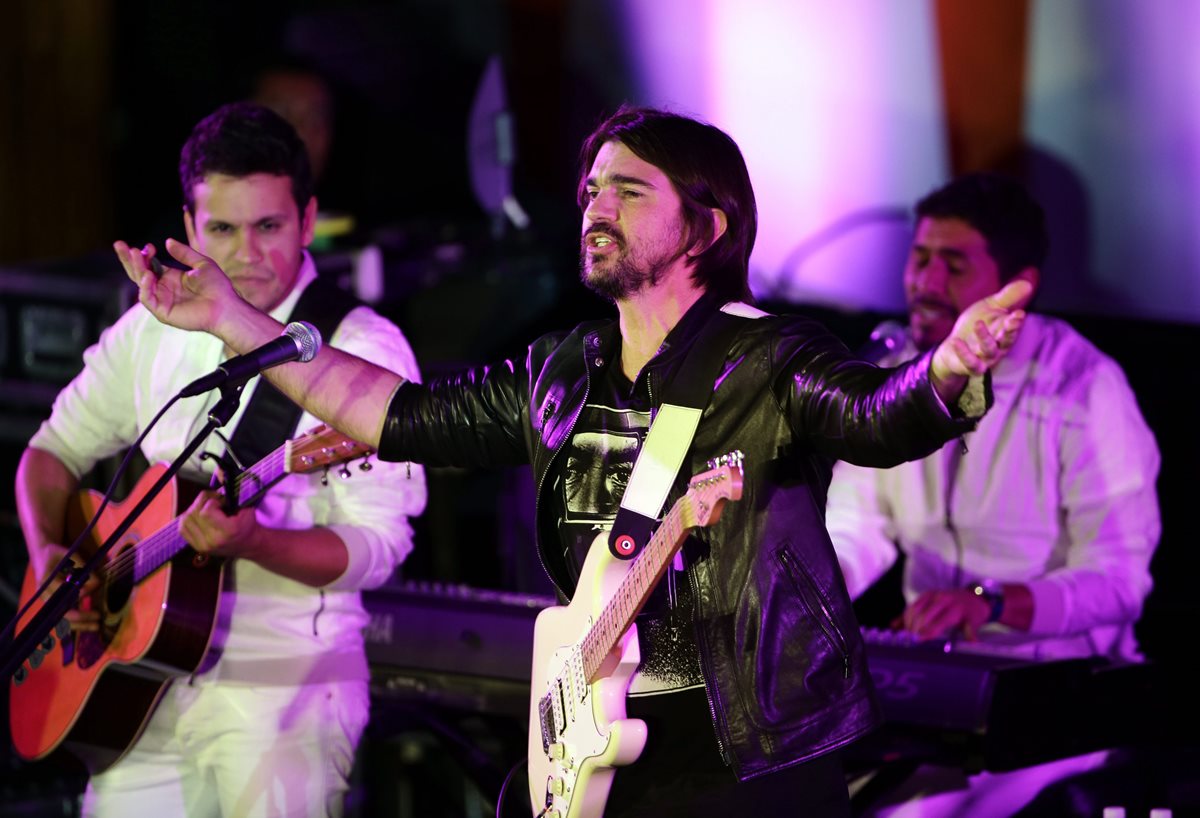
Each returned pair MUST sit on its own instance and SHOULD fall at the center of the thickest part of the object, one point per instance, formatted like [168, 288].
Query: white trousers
[220, 750]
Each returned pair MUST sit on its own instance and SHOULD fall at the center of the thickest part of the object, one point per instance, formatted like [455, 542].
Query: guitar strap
[270, 417]
[671, 432]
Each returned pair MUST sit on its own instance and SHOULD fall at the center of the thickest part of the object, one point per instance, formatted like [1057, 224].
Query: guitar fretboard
[631, 594]
[147, 556]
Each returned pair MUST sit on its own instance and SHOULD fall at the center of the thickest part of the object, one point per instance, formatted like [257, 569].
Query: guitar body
[92, 693]
[595, 736]
[585, 654]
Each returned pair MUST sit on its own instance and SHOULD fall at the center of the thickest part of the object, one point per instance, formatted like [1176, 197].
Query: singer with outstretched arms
[767, 677]
[274, 711]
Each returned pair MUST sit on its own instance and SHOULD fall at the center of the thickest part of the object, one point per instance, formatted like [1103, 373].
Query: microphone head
[307, 338]
[886, 339]
[890, 333]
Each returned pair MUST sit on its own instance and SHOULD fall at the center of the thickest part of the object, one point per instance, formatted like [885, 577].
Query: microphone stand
[35, 640]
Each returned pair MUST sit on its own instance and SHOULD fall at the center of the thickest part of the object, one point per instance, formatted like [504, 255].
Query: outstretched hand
[196, 298]
[981, 337]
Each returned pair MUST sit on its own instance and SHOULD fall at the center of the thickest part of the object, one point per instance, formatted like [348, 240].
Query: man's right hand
[346, 392]
[84, 616]
[198, 298]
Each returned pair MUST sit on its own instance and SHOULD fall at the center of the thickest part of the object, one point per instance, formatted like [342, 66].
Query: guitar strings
[608, 626]
[126, 561]
[634, 582]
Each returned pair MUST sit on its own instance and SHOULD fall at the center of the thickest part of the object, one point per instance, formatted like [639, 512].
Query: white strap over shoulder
[660, 459]
[743, 310]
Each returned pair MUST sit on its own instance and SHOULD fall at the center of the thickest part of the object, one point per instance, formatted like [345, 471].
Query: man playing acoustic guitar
[752, 671]
[269, 723]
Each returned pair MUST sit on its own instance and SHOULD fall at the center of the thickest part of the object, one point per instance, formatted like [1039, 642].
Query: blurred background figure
[303, 97]
[1032, 535]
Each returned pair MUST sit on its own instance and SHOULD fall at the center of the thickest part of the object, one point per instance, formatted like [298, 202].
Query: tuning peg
[365, 465]
[344, 472]
[733, 458]
[325, 477]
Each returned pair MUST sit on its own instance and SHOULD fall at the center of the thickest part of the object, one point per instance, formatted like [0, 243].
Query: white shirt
[1057, 491]
[273, 629]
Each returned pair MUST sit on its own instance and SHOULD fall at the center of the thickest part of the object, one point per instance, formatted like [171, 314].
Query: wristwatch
[992, 593]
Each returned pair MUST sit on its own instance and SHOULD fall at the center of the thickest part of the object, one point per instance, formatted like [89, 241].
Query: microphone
[300, 342]
[885, 339]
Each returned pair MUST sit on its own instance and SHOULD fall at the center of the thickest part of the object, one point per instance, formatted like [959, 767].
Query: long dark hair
[708, 171]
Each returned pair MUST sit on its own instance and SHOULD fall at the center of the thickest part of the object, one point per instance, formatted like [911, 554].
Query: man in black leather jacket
[771, 675]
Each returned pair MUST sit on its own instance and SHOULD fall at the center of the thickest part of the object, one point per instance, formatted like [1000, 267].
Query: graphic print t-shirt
[596, 466]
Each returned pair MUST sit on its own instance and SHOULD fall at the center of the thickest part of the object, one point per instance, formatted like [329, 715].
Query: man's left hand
[981, 337]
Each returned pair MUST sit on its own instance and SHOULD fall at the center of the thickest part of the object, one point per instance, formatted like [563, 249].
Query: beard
[620, 277]
[626, 273]
[930, 321]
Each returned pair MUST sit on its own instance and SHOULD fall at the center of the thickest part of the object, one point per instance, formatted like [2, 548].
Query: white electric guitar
[584, 655]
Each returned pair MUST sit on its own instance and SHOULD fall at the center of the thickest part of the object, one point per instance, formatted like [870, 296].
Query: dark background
[98, 97]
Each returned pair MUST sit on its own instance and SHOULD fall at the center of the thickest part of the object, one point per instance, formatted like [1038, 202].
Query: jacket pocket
[836, 651]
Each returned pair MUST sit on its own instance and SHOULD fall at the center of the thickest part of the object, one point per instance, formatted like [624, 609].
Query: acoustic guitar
[92, 693]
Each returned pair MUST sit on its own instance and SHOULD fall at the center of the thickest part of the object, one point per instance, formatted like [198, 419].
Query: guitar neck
[630, 596]
[157, 549]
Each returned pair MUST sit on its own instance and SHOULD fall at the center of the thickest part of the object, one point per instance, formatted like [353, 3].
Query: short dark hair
[241, 139]
[1010, 220]
[708, 171]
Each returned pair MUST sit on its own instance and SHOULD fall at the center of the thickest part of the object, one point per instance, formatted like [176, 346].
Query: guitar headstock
[734, 458]
[708, 491]
[320, 447]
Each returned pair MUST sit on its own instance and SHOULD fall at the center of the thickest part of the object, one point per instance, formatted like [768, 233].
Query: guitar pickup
[546, 717]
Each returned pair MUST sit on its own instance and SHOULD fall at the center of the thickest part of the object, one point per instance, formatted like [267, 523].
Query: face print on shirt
[598, 465]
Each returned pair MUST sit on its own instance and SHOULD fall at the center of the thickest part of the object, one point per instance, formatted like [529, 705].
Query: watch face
[992, 593]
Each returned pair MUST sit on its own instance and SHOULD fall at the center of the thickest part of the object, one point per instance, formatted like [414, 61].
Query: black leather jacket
[783, 661]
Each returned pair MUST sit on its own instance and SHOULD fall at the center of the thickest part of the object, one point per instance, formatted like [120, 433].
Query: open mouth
[928, 310]
[600, 241]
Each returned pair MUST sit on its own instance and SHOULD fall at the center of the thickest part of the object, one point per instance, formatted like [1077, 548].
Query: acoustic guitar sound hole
[110, 599]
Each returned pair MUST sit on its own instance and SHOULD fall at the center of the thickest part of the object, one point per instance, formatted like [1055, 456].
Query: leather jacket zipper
[549, 410]
[706, 672]
[824, 616]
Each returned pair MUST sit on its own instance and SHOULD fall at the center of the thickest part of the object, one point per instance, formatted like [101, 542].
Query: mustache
[930, 301]
[604, 229]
